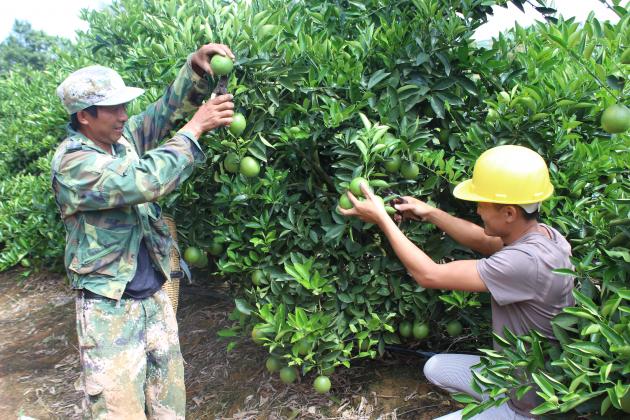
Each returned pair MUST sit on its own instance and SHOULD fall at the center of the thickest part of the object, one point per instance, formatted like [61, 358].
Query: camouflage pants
[132, 364]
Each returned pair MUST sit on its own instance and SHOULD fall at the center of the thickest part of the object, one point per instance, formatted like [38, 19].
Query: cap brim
[122, 96]
[464, 191]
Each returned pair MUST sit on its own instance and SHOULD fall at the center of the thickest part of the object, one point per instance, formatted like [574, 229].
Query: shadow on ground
[39, 365]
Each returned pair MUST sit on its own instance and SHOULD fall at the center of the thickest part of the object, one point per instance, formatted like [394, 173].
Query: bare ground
[39, 365]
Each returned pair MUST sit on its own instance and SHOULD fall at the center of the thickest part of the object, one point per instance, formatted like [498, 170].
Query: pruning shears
[221, 87]
[398, 216]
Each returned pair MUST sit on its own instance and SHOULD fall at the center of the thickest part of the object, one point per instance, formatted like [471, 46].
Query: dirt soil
[39, 365]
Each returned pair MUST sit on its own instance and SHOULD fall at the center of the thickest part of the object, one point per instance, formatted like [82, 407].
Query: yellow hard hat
[507, 175]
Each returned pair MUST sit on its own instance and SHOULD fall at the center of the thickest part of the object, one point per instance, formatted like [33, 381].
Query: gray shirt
[526, 294]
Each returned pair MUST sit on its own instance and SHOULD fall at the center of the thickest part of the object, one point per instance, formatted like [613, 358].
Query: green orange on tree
[616, 119]
[257, 277]
[344, 202]
[221, 65]
[288, 374]
[405, 329]
[192, 255]
[215, 249]
[321, 384]
[230, 163]
[249, 167]
[420, 330]
[238, 124]
[258, 335]
[355, 186]
[302, 347]
[273, 364]
[203, 262]
[392, 165]
[410, 170]
[454, 328]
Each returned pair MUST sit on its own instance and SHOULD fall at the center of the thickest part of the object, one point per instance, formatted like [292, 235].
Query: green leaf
[588, 348]
[376, 78]
[243, 307]
[464, 398]
[437, 105]
[544, 408]
[544, 385]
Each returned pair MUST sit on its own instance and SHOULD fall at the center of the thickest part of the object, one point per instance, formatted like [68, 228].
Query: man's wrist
[430, 216]
[193, 129]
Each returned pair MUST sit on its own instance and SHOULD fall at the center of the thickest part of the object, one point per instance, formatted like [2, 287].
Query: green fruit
[492, 115]
[230, 163]
[193, 255]
[302, 347]
[454, 328]
[405, 329]
[390, 210]
[616, 119]
[258, 335]
[420, 330]
[215, 249]
[203, 262]
[221, 65]
[238, 124]
[321, 384]
[249, 167]
[328, 371]
[288, 374]
[392, 165]
[257, 277]
[625, 59]
[355, 187]
[344, 202]
[410, 170]
[273, 364]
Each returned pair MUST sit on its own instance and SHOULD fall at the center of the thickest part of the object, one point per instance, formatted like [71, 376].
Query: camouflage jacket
[107, 202]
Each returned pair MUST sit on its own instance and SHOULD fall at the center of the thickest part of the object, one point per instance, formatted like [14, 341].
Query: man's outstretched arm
[462, 231]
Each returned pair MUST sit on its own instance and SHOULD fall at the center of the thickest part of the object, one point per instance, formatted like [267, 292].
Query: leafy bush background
[304, 72]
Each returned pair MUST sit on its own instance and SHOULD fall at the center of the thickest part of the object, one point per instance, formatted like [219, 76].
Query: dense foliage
[322, 84]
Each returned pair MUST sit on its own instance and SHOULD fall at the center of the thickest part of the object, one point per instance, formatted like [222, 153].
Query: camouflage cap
[94, 85]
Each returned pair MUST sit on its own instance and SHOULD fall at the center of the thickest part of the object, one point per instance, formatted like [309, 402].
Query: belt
[91, 295]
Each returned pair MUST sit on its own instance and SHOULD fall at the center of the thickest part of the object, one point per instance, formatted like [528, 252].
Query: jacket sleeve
[91, 180]
[183, 96]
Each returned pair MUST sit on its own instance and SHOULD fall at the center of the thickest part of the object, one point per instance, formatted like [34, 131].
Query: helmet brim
[465, 191]
[121, 96]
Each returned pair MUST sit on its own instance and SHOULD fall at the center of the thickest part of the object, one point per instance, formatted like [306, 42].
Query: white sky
[61, 17]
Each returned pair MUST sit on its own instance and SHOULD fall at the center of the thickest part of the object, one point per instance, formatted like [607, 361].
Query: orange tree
[332, 90]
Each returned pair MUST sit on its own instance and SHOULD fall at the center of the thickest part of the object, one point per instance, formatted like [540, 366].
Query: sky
[61, 17]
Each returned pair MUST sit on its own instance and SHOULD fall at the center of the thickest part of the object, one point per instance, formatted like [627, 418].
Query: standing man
[106, 177]
[508, 184]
